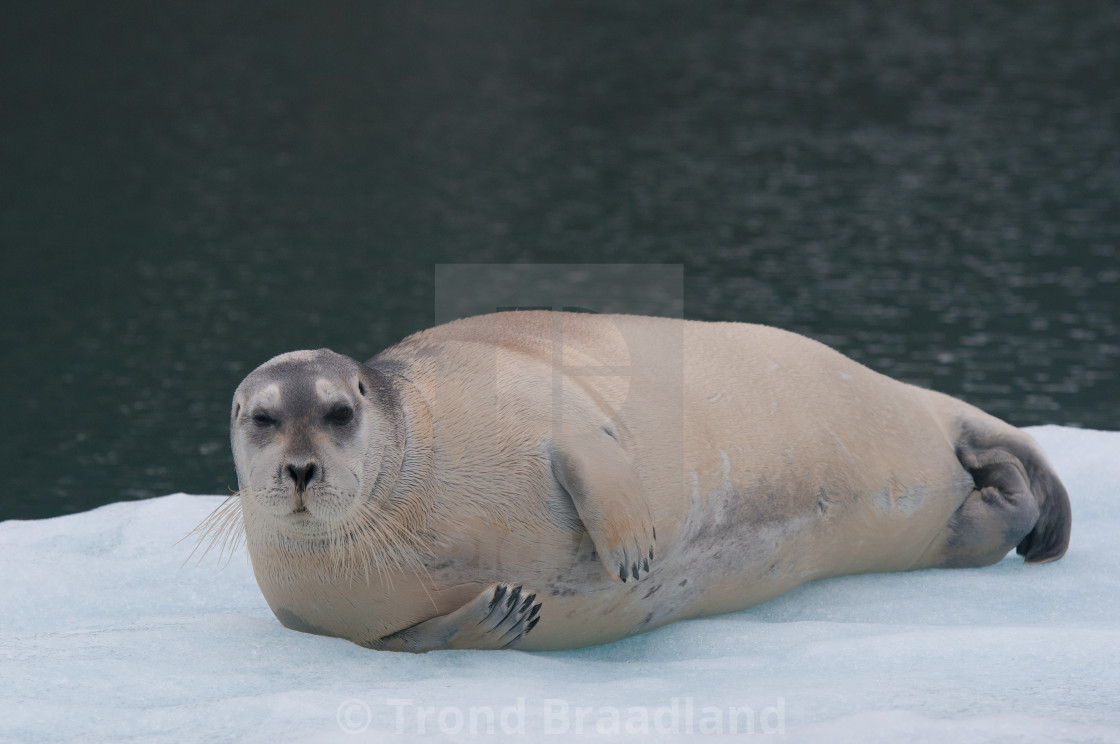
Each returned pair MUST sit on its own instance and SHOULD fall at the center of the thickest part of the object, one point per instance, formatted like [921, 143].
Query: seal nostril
[301, 476]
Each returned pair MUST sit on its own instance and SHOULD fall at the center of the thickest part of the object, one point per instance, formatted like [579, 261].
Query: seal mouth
[300, 510]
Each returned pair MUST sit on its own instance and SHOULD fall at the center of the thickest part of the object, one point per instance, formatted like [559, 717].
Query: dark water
[190, 188]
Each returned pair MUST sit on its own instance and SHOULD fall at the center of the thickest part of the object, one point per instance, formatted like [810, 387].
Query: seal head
[311, 432]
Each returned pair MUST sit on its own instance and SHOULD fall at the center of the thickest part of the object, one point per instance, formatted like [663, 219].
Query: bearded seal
[545, 480]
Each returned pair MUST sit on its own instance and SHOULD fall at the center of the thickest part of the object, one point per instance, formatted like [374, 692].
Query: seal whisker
[222, 527]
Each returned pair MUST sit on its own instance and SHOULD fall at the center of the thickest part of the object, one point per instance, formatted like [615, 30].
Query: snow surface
[109, 634]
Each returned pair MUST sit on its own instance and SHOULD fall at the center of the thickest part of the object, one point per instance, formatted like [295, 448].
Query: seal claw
[596, 472]
[498, 617]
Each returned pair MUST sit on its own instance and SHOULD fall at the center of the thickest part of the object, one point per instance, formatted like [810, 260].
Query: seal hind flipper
[595, 472]
[497, 618]
[1049, 538]
[1016, 492]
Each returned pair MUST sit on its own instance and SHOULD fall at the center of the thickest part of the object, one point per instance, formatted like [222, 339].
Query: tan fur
[543, 450]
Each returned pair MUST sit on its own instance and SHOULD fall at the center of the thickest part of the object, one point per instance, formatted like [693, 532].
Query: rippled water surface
[190, 188]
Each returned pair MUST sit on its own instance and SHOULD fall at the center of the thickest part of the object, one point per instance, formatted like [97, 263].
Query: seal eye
[340, 415]
[262, 419]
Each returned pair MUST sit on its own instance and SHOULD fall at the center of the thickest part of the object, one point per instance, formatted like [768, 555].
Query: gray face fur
[308, 437]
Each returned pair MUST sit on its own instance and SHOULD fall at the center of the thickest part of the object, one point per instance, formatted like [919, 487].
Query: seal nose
[302, 475]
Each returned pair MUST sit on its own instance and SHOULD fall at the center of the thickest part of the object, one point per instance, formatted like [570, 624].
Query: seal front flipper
[497, 618]
[594, 470]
